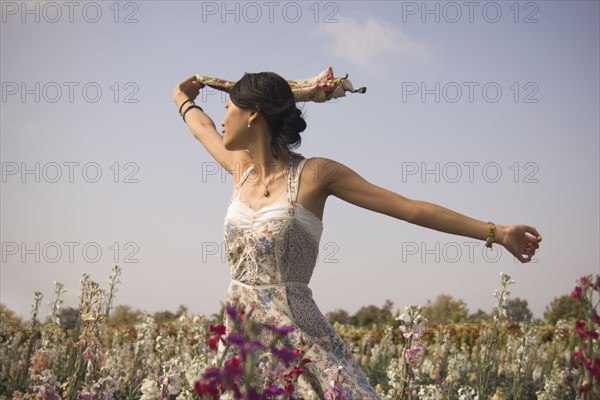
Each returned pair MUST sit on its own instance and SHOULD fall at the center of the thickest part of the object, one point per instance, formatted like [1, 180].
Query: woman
[273, 223]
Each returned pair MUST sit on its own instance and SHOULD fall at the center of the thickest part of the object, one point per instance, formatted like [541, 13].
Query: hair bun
[295, 119]
[291, 126]
[273, 96]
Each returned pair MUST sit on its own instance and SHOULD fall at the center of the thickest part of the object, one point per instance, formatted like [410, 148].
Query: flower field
[405, 359]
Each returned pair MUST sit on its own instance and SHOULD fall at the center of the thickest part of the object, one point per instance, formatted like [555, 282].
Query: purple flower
[210, 387]
[234, 338]
[231, 311]
[253, 395]
[274, 390]
[212, 372]
[244, 346]
[283, 354]
[232, 368]
[282, 330]
[249, 347]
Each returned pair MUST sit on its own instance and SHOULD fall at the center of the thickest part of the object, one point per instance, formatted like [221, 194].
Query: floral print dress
[272, 253]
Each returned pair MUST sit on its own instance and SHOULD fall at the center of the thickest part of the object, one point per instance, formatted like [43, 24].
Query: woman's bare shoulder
[321, 170]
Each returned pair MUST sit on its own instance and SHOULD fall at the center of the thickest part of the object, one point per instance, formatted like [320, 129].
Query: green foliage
[124, 315]
[68, 317]
[479, 316]
[366, 316]
[373, 315]
[163, 317]
[8, 317]
[445, 309]
[564, 307]
[517, 310]
[340, 316]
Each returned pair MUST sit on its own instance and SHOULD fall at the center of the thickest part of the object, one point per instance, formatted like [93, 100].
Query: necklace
[266, 192]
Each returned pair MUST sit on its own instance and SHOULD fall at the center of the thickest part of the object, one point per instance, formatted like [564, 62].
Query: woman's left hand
[521, 241]
[188, 88]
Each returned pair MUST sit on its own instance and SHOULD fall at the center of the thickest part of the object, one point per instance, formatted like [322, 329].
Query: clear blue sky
[501, 99]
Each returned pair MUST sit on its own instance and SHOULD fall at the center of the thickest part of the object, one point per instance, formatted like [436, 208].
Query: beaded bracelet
[182, 104]
[490, 238]
[188, 109]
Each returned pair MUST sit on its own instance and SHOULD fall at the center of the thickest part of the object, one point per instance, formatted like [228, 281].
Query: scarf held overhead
[318, 89]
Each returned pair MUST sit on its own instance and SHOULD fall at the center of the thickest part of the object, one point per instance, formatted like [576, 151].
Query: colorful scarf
[320, 88]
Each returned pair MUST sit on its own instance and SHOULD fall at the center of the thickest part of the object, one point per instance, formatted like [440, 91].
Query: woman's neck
[265, 162]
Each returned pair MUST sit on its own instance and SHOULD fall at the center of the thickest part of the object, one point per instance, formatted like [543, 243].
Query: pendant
[266, 192]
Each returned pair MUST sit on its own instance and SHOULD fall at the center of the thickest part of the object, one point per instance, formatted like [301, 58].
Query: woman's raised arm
[342, 182]
[203, 128]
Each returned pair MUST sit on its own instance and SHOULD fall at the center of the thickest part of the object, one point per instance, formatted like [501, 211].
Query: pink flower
[85, 395]
[217, 333]
[412, 352]
[577, 357]
[89, 354]
[576, 292]
[218, 329]
[580, 328]
[289, 387]
[296, 370]
[336, 391]
[594, 368]
[583, 388]
[210, 385]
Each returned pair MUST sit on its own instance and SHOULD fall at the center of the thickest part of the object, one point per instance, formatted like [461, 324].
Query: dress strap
[293, 182]
[242, 180]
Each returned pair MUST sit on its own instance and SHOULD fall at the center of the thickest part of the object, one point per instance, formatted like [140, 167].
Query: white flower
[149, 389]
[537, 373]
[403, 318]
[430, 392]
[467, 393]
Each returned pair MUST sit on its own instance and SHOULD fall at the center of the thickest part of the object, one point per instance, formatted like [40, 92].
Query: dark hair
[272, 96]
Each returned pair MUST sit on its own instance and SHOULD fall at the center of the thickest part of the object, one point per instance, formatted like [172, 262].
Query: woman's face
[235, 127]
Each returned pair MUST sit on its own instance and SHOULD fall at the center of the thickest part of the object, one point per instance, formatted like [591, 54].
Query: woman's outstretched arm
[342, 182]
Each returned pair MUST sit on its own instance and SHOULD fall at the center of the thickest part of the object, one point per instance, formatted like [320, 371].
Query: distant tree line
[443, 310]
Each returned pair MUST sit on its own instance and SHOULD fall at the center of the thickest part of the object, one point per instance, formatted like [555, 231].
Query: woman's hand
[521, 241]
[186, 89]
